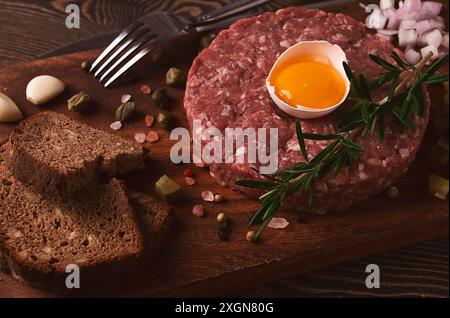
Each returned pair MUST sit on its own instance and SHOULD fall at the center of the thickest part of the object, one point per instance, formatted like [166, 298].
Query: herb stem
[416, 70]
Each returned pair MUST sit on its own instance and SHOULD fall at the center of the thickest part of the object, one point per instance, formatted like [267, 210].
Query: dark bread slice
[154, 217]
[95, 229]
[53, 154]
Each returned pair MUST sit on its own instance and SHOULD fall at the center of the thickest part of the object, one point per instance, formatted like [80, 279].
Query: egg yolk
[309, 81]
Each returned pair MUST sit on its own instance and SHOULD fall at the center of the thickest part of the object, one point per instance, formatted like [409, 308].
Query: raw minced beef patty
[226, 88]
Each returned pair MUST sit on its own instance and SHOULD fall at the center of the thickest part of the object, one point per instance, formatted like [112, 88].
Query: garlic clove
[9, 112]
[44, 88]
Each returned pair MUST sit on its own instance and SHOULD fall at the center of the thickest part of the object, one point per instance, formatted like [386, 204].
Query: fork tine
[135, 35]
[114, 43]
[141, 42]
[131, 62]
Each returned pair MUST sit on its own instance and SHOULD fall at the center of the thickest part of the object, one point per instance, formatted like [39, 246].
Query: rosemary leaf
[399, 61]
[437, 79]
[364, 87]
[301, 140]
[256, 184]
[382, 62]
[320, 137]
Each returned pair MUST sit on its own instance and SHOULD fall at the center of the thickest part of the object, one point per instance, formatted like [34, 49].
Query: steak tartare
[226, 89]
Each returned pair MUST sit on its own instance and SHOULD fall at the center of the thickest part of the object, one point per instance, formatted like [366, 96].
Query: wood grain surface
[420, 270]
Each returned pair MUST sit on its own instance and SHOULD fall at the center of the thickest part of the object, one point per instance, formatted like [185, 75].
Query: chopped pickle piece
[167, 189]
[438, 186]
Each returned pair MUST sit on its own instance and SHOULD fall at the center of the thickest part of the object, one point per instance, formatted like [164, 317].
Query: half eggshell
[322, 49]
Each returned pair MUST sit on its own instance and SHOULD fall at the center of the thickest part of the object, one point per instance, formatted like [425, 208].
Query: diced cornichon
[438, 186]
[167, 189]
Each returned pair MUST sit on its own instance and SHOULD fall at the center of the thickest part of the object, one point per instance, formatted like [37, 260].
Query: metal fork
[147, 33]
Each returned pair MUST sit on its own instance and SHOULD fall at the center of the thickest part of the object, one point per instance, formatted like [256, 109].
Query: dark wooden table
[30, 28]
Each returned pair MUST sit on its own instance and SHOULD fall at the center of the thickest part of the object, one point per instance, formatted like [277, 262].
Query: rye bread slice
[155, 219]
[95, 229]
[53, 154]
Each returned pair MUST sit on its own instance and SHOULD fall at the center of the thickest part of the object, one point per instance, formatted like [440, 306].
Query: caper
[124, 111]
[392, 192]
[175, 77]
[161, 98]
[79, 102]
[165, 120]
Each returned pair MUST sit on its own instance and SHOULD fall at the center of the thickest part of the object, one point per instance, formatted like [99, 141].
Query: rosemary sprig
[405, 99]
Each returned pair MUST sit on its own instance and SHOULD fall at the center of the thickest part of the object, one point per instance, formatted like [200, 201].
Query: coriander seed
[85, 66]
[221, 217]
[251, 236]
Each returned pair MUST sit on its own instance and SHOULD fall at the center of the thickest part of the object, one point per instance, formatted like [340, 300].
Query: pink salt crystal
[208, 196]
[278, 223]
[152, 136]
[140, 138]
[126, 98]
[116, 125]
[198, 210]
[189, 181]
[146, 89]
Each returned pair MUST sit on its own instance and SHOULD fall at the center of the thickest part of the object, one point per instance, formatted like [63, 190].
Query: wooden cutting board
[193, 261]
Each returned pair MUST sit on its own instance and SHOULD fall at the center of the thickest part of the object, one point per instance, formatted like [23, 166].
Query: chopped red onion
[376, 20]
[413, 5]
[430, 9]
[407, 37]
[430, 48]
[408, 24]
[421, 40]
[388, 34]
[393, 19]
[437, 23]
[423, 26]
[409, 9]
[417, 24]
[434, 38]
[387, 4]
[412, 56]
